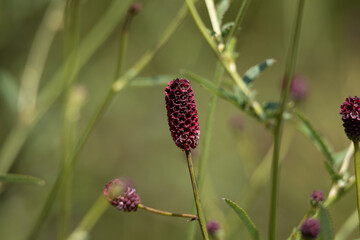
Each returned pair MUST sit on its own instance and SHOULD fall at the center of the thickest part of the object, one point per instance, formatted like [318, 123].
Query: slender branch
[200, 213]
[230, 68]
[289, 72]
[115, 88]
[206, 149]
[213, 17]
[357, 175]
[164, 213]
[239, 18]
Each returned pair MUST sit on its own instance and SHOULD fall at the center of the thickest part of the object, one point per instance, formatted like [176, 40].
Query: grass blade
[21, 178]
[254, 233]
[326, 232]
[308, 130]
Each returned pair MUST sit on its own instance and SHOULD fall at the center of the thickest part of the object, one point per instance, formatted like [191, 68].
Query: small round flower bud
[298, 89]
[316, 198]
[350, 112]
[182, 114]
[121, 196]
[310, 228]
[135, 8]
[213, 227]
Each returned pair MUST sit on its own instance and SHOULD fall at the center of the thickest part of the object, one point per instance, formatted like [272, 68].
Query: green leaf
[20, 178]
[221, 9]
[8, 90]
[326, 230]
[226, 29]
[254, 233]
[308, 130]
[152, 81]
[270, 108]
[339, 157]
[223, 93]
[251, 74]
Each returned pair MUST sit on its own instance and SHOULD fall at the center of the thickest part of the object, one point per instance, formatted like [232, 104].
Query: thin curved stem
[200, 212]
[206, 149]
[165, 213]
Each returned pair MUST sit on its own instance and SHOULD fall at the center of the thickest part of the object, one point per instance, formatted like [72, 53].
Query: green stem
[238, 20]
[200, 213]
[289, 72]
[230, 68]
[115, 88]
[357, 175]
[90, 219]
[20, 132]
[213, 17]
[170, 214]
[69, 125]
[206, 149]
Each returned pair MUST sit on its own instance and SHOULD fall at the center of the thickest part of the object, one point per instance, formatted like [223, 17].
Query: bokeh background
[132, 139]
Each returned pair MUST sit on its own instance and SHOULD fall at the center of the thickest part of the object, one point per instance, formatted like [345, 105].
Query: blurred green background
[132, 139]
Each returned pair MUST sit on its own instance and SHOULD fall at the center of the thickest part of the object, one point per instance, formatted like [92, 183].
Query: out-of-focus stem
[29, 85]
[90, 219]
[20, 132]
[116, 87]
[206, 149]
[69, 124]
[200, 212]
[238, 20]
[289, 72]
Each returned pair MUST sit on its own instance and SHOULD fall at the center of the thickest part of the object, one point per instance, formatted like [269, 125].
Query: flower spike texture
[182, 114]
[350, 112]
[121, 196]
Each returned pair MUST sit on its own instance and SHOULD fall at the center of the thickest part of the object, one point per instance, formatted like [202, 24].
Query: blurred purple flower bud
[310, 228]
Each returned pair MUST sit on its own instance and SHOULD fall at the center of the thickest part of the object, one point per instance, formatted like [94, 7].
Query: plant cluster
[182, 115]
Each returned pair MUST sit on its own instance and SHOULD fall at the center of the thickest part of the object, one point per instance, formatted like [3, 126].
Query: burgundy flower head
[310, 228]
[121, 196]
[182, 114]
[299, 88]
[212, 227]
[350, 112]
[316, 198]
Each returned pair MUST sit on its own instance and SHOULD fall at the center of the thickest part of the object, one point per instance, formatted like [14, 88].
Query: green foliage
[152, 81]
[237, 100]
[308, 130]
[250, 226]
[326, 231]
[8, 90]
[20, 178]
[221, 9]
[252, 73]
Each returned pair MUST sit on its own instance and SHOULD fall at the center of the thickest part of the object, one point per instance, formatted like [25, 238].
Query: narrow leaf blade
[152, 81]
[223, 93]
[308, 130]
[326, 231]
[254, 233]
[253, 72]
[20, 178]
[8, 90]
[221, 9]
